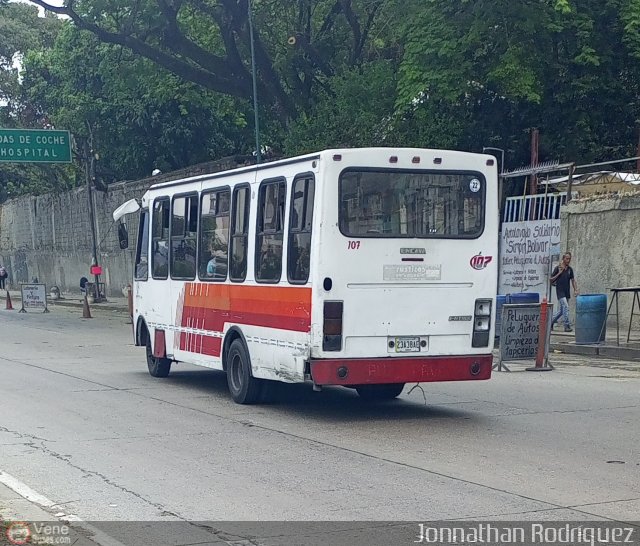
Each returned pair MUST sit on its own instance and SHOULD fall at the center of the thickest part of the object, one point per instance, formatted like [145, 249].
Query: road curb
[628, 354]
[72, 302]
[79, 304]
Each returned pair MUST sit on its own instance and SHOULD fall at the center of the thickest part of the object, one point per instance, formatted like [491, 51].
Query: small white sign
[412, 272]
[474, 185]
[34, 296]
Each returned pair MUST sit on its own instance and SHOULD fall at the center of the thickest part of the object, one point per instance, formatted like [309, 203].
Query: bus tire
[158, 366]
[385, 391]
[244, 388]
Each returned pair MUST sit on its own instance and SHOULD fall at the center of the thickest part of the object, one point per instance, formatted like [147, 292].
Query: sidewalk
[565, 343]
[118, 304]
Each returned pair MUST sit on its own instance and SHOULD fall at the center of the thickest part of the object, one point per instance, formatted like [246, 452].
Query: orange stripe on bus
[274, 300]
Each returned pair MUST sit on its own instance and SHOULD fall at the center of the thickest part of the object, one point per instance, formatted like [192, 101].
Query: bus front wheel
[158, 366]
[244, 388]
[386, 391]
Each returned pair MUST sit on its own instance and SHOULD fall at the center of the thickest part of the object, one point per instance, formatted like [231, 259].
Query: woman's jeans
[562, 312]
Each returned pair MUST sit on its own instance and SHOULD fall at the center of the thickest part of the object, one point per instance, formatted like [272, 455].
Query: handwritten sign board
[34, 296]
[520, 331]
[527, 250]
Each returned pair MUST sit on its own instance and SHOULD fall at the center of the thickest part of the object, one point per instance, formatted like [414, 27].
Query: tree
[21, 30]
[497, 68]
[297, 45]
[354, 110]
[139, 117]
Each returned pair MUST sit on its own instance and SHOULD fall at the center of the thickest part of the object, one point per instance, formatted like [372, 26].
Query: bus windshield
[396, 203]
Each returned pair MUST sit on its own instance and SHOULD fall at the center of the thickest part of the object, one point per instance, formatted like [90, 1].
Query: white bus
[367, 268]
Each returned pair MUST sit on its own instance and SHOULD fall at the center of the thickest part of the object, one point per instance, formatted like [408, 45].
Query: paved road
[84, 425]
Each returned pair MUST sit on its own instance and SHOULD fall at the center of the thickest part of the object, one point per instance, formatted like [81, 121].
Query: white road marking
[22, 489]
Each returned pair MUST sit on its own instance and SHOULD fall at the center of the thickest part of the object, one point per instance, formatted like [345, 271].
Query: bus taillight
[332, 326]
[481, 323]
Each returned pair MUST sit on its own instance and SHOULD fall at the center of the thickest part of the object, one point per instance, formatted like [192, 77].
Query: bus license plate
[407, 344]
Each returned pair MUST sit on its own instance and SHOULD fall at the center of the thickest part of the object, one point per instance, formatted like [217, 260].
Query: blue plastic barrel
[591, 318]
[500, 301]
[524, 297]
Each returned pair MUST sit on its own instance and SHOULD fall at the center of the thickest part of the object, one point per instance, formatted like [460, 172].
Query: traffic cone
[9, 305]
[86, 312]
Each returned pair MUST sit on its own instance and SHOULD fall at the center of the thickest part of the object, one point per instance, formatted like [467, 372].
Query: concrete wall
[49, 236]
[604, 237]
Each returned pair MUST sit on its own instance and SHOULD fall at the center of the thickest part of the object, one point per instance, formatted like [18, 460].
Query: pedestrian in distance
[562, 277]
[3, 277]
[83, 285]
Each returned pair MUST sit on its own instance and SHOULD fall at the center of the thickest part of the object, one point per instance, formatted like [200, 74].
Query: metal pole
[535, 139]
[88, 155]
[255, 84]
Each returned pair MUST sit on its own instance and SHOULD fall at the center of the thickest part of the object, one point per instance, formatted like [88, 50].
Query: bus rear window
[395, 203]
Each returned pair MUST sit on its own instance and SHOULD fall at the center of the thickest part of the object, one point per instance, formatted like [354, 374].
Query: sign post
[542, 355]
[34, 296]
[34, 146]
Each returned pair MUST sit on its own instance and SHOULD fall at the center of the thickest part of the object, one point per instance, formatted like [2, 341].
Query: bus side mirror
[123, 235]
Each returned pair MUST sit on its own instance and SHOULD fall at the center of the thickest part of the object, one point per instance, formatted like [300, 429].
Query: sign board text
[520, 332]
[35, 146]
[526, 253]
[34, 296]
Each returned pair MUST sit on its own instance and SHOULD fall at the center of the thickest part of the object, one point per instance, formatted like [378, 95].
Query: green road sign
[34, 146]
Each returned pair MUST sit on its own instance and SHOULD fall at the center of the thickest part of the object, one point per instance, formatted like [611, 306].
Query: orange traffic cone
[9, 305]
[86, 312]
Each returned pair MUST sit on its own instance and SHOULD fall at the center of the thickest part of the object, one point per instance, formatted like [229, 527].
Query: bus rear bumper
[370, 371]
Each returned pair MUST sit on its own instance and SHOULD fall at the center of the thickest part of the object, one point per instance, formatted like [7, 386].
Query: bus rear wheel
[158, 366]
[386, 391]
[244, 388]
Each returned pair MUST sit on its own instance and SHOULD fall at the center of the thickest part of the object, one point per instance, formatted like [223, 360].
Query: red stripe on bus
[208, 306]
[214, 320]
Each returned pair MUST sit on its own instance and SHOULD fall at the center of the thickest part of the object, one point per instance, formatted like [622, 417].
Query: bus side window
[160, 239]
[142, 250]
[214, 235]
[239, 233]
[270, 231]
[300, 222]
[184, 226]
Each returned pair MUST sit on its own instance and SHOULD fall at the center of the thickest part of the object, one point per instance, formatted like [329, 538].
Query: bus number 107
[354, 245]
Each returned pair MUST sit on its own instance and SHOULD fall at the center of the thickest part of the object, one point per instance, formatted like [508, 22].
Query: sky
[41, 10]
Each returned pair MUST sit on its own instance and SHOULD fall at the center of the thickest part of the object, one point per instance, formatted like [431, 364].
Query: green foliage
[20, 31]
[497, 68]
[355, 110]
[140, 117]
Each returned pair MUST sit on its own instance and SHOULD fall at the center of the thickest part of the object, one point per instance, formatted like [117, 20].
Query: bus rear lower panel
[371, 371]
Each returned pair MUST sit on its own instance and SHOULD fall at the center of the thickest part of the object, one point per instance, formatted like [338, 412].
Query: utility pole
[638, 151]
[255, 84]
[89, 158]
[533, 180]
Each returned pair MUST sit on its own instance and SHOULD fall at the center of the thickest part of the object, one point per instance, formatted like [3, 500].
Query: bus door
[157, 312]
[182, 272]
[141, 272]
